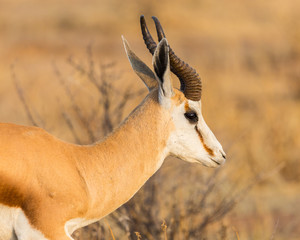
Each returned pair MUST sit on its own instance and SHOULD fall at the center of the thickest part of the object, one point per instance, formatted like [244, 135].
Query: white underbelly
[13, 221]
[7, 219]
[77, 223]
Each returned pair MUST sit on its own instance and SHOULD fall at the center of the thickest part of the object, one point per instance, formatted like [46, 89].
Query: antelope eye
[191, 116]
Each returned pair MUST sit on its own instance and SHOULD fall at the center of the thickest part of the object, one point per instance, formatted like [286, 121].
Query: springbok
[50, 188]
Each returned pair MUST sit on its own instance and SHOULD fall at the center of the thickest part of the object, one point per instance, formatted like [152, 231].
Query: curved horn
[150, 43]
[190, 82]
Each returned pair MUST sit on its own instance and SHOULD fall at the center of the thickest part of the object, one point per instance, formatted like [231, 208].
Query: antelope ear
[161, 64]
[140, 68]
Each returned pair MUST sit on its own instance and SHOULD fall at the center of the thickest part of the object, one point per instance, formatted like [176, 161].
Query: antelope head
[191, 140]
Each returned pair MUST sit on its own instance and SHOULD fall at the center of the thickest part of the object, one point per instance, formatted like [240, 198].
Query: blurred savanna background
[63, 68]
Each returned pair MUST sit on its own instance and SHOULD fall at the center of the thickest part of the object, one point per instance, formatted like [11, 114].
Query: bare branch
[226, 206]
[21, 96]
[75, 107]
[71, 127]
[76, 66]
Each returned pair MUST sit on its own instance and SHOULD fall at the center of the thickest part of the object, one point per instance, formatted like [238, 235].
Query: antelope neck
[117, 167]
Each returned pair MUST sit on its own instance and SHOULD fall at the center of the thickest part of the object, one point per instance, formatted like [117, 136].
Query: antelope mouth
[215, 161]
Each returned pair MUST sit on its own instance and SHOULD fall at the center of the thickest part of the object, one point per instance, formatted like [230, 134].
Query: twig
[110, 230]
[164, 229]
[138, 235]
[71, 127]
[226, 206]
[236, 233]
[275, 229]
[21, 96]
[75, 107]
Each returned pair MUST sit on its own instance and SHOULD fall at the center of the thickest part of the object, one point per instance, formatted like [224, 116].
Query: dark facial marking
[207, 149]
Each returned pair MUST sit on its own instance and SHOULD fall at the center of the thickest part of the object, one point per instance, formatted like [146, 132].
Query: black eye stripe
[191, 116]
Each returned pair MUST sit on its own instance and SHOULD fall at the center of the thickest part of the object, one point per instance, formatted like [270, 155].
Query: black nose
[223, 155]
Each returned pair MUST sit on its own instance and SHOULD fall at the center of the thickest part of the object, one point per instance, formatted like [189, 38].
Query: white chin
[209, 163]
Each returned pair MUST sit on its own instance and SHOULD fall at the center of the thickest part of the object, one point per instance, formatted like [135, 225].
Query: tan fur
[53, 181]
[187, 107]
[178, 98]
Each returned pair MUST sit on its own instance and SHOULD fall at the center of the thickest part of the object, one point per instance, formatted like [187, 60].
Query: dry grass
[248, 54]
